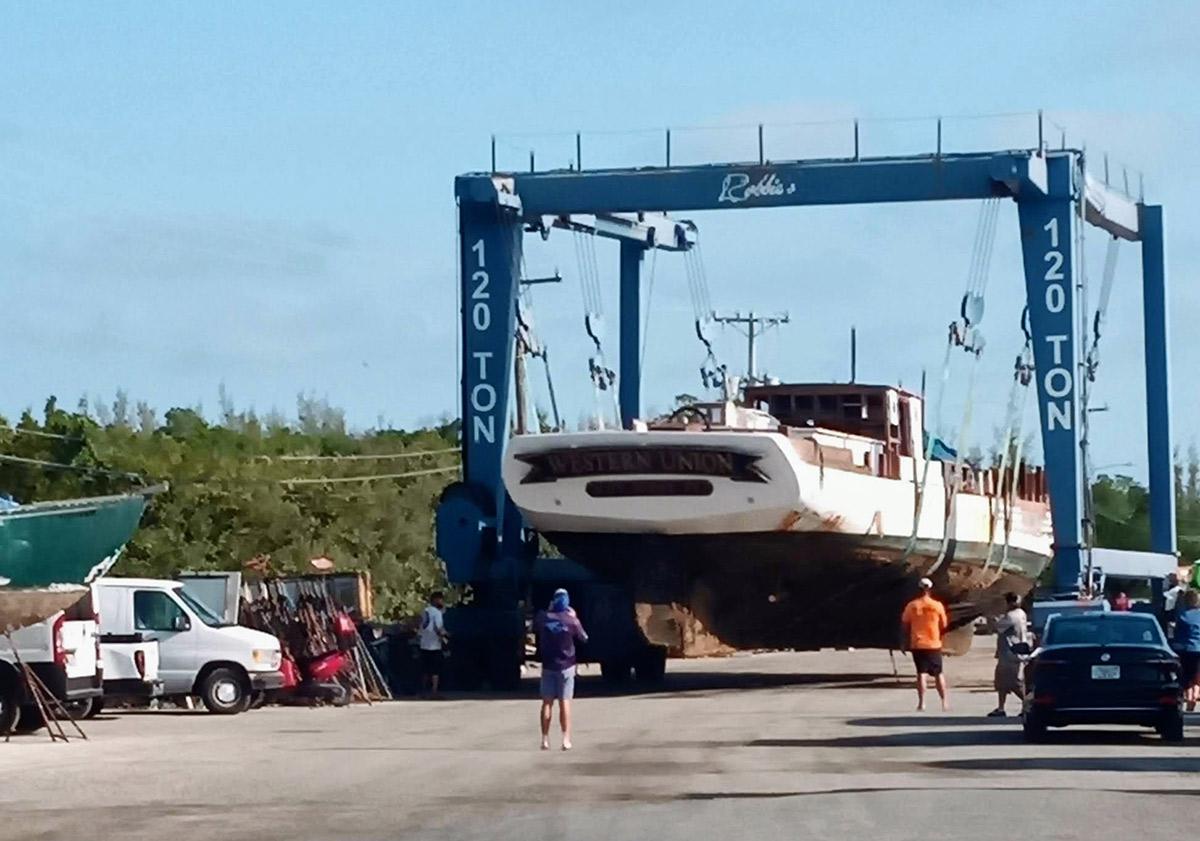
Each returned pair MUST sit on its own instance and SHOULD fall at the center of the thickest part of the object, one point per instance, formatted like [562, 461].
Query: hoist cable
[702, 276]
[956, 478]
[978, 270]
[649, 299]
[919, 502]
[1014, 421]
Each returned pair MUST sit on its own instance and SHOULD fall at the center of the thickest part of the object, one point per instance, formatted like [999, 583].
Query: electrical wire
[371, 478]
[16, 430]
[76, 467]
[365, 457]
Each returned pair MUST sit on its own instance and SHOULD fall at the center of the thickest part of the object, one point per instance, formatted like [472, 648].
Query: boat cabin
[885, 413]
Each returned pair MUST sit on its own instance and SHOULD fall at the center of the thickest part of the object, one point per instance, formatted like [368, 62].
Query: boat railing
[1028, 481]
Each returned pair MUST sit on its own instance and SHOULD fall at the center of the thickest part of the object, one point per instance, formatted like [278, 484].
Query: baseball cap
[925, 584]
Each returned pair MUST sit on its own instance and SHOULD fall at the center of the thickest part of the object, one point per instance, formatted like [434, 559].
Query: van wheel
[97, 705]
[9, 708]
[224, 692]
[78, 710]
[31, 719]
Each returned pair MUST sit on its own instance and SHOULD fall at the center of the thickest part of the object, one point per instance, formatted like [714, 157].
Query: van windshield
[203, 613]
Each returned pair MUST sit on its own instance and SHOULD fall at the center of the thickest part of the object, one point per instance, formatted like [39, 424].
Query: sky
[260, 196]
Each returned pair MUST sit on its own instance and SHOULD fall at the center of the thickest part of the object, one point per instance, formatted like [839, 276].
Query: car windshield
[206, 616]
[1102, 630]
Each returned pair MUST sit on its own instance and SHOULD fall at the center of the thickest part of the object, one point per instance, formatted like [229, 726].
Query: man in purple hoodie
[557, 629]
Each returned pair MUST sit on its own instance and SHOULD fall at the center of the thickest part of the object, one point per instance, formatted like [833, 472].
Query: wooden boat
[784, 521]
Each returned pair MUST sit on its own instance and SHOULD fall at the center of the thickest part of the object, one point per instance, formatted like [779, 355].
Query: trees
[229, 500]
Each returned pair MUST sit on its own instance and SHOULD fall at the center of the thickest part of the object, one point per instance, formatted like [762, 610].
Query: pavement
[815, 745]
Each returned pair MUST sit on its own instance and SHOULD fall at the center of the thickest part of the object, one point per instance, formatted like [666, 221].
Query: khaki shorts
[1008, 677]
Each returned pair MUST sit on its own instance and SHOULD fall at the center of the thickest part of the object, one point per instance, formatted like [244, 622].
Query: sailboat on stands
[51, 551]
[799, 517]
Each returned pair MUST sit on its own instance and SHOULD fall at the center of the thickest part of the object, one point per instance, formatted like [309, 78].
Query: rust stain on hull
[710, 594]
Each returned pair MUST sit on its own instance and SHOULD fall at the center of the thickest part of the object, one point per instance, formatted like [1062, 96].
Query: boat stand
[50, 708]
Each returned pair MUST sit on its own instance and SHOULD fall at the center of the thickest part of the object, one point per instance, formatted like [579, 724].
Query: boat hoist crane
[480, 534]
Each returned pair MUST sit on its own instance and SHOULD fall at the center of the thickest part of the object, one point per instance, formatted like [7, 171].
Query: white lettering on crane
[1057, 383]
[737, 187]
[483, 393]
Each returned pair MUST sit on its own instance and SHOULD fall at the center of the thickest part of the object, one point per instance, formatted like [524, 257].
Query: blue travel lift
[480, 533]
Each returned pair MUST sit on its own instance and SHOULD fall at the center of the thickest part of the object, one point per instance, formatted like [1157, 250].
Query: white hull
[800, 493]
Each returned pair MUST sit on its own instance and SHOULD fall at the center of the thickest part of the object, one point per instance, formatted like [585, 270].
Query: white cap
[925, 584]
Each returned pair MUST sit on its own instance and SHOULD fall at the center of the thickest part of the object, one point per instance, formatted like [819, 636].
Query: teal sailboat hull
[51, 551]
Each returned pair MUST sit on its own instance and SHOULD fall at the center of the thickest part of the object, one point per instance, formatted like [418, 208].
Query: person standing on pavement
[924, 625]
[1171, 600]
[1185, 639]
[432, 638]
[1012, 635]
[557, 629]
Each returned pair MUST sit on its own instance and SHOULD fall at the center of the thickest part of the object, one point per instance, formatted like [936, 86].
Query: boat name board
[627, 461]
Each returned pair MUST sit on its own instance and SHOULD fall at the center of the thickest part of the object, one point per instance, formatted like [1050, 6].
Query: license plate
[1106, 672]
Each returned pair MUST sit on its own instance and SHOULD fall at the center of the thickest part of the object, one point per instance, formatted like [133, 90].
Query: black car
[1103, 668]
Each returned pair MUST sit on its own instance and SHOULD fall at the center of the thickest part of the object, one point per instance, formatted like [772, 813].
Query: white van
[64, 652]
[198, 654]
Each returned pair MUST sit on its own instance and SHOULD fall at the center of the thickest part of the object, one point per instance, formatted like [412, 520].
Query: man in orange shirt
[924, 621]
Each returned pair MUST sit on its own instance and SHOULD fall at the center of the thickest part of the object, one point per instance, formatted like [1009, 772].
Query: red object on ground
[291, 677]
[343, 625]
[326, 667]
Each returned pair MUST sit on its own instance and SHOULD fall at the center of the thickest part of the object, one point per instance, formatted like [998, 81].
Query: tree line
[229, 499]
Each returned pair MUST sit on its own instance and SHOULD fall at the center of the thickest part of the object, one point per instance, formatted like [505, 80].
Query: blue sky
[260, 195]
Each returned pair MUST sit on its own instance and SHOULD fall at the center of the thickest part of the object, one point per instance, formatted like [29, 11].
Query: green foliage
[1122, 508]
[228, 501]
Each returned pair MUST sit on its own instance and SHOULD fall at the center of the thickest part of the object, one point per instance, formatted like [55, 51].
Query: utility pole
[752, 327]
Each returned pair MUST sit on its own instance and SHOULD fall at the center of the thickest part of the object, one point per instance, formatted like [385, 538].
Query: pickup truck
[64, 652]
[130, 673]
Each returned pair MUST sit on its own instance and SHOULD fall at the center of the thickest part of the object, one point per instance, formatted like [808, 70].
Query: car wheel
[1172, 729]
[224, 692]
[96, 706]
[1035, 727]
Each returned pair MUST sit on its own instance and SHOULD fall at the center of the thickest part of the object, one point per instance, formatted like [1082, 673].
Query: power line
[16, 430]
[372, 478]
[366, 457]
[60, 466]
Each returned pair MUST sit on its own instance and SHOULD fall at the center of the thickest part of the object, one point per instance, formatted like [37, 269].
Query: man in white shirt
[431, 637]
[1012, 629]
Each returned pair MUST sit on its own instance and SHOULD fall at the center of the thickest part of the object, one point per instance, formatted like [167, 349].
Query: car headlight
[268, 657]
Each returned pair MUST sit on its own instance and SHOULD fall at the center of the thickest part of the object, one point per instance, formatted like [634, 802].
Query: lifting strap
[964, 334]
[1005, 494]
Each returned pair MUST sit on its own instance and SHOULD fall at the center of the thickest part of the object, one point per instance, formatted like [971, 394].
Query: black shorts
[431, 662]
[1190, 671]
[927, 662]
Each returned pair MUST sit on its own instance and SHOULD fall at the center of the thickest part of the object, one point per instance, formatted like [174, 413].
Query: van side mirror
[182, 623]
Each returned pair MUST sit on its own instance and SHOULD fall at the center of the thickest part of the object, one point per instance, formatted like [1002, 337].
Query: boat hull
[27, 606]
[795, 590]
[50, 551]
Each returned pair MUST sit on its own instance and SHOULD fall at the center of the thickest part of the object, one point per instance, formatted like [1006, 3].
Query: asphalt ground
[816, 745]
